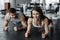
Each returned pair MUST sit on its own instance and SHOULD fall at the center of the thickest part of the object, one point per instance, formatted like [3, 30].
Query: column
[6, 5]
[13, 3]
[44, 6]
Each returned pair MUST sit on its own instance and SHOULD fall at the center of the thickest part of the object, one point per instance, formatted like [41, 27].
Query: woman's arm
[29, 27]
[46, 28]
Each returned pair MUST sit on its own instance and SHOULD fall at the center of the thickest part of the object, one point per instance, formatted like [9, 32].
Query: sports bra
[35, 25]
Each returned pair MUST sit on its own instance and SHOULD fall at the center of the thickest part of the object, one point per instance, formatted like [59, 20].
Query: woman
[37, 22]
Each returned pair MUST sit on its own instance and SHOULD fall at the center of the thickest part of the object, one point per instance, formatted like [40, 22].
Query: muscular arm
[23, 22]
[44, 35]
[46, 25]
[24, 25]
[29, 25]
[5, 22]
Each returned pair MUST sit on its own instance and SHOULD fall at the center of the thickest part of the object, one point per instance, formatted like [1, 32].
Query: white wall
[6, 1]
[1, 4]
[34, 1]
[51, 1]
[13, 3]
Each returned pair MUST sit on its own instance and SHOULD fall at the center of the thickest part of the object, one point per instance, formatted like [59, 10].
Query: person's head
[12, 12]
[36, 12]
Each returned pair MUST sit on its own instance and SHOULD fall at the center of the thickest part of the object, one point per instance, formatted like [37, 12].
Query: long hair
[38, 9]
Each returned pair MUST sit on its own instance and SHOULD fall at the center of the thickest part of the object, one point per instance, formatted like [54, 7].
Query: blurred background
[50, 8]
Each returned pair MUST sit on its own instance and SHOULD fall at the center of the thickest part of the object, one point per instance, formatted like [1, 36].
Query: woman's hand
[26, 35]
[28, 27]
[43, 36]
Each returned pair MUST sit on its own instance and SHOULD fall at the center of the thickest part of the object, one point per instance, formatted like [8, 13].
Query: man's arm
[5, 23]
[24, 25]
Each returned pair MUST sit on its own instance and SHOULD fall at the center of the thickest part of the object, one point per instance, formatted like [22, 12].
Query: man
[12, 21]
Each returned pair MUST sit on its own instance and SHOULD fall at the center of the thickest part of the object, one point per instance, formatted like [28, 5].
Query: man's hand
[19, 28]
[15, 29]
[5, 28]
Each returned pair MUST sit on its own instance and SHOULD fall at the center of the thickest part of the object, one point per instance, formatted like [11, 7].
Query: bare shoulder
[46, 20]
[6, 16]
[29, 20]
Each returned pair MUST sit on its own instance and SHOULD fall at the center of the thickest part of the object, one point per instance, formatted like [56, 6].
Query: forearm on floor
[5, 26]
[22, 28]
